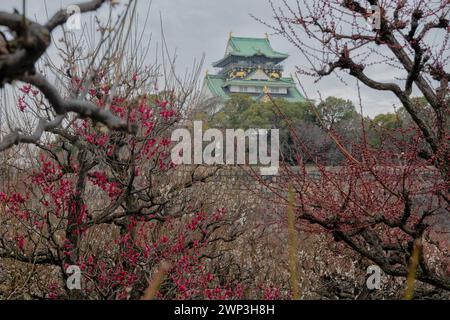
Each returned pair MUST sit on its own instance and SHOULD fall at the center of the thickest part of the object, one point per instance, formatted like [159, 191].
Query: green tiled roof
[214, 84]
[295, 95]
[217, 83]
[248, 47]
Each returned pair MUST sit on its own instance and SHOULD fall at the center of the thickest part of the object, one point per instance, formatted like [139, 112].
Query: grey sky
[195, 27]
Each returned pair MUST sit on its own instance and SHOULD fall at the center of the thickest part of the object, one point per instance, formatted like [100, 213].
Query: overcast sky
[195, 27]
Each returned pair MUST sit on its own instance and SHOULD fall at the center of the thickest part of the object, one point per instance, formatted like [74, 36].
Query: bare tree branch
[17, 137]
[61, 16]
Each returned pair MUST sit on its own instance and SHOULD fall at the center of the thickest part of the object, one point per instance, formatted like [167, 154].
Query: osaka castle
[251, 67]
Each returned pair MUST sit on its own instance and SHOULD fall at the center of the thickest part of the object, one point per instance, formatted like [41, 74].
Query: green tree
[230, 116]
[332, 112]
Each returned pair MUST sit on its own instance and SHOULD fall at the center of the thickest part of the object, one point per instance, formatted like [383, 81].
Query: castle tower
[251, 66]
